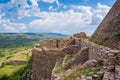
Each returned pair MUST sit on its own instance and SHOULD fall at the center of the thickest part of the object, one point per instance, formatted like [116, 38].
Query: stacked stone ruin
[46, 55]
[49, 52]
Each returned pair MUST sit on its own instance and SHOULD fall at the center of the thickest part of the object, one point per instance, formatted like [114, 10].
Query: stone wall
[53, 51]
[42, 66]
[44, 60]
[95, 51]
[48, 43]
[111, 66]
[108, 28]
[55, 43]
[80, 35]
[79, 58]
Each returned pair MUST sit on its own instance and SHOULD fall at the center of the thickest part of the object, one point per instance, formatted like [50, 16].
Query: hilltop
[24, 39]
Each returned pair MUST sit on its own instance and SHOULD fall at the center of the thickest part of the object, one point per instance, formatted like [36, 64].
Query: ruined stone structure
[108, 32]
[81, 35]
[49, 52]
[79, 58]
[44, 57]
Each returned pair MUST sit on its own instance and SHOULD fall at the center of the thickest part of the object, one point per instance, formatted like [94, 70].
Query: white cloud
[52, 1]
[51, 8]
[8, 26]
[68, 21]
[34, 2]
[99, 13]
[49, 1]
[61, 21]
[19, 8]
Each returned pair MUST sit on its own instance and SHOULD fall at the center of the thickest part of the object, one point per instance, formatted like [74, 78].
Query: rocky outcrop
[108, 32]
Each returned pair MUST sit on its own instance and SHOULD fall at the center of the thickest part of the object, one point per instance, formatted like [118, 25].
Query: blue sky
[52, 16]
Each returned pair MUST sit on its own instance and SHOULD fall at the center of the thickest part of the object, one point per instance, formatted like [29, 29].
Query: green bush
[105, 38]
[68, 58]
[4, 77]
[117, 35]
[19, 74]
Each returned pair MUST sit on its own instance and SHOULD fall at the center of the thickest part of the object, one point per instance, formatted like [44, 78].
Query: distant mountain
[24, 39]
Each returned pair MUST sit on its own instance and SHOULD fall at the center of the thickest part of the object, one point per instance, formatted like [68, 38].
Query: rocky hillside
[108, 32]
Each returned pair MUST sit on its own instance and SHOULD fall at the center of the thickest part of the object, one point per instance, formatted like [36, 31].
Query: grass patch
[117, 35]
[20, 72]
[19, 53]
[68, 58]
[9, 70]
[87, 71]
[105, 38]
[24, 55]
[58, 68]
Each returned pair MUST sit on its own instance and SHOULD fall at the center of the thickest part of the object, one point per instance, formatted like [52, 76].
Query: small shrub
[100, 43]
[59, 68]
[68, 58]
[4, 77]
[117, 35]
[105, 38]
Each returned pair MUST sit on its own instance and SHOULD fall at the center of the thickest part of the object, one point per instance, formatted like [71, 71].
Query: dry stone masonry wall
[110, 26]
[50, 52]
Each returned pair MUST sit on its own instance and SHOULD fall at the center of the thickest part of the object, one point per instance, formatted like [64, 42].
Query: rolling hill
[24, 39]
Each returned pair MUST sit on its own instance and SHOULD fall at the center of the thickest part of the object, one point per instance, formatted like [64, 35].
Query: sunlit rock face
[108, 32]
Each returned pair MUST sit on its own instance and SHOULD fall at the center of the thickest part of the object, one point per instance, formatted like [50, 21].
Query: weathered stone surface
[117, 72]
[52, 52]
[42, 66]
[109, 76]
[45, 58]
[95, 51]
[90, 63]
[48, 43]
[81, 35]
[105, 33]
[79, 58]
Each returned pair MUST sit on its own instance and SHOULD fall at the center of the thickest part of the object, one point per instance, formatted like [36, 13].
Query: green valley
[15, 46]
